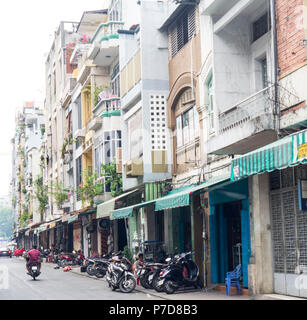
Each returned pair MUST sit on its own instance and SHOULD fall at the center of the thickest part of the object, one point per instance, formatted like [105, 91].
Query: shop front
[278, 174]
[229, 231]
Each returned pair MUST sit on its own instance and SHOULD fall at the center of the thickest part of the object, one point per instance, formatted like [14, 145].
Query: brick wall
[290, 33]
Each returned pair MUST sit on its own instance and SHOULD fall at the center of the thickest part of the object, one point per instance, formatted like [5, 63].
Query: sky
[27, 29]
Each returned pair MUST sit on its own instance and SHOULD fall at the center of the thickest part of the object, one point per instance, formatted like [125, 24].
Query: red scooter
[70, 259]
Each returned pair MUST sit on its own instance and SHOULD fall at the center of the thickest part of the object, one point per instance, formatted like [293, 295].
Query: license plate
[160, 282]
[34, 268]
[150, 277]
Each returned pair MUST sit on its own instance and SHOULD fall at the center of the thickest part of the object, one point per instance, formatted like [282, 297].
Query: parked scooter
[119, 275]
[182, 272]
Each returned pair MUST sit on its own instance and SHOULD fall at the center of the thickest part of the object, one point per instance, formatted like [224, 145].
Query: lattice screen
[158, 122]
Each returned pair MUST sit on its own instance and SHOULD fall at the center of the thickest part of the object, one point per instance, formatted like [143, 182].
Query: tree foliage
[6, 222]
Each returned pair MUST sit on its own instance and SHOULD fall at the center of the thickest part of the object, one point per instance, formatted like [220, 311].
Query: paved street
[55, 284]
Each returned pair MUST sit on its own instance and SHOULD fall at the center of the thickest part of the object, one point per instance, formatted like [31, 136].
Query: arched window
[187, 119]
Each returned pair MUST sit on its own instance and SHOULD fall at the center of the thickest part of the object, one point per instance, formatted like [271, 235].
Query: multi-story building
[30, 126]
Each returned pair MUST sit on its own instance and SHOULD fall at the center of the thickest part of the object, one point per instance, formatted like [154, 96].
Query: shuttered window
[182, 31]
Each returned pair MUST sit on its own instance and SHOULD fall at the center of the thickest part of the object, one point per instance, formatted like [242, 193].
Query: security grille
[158, 122]
[289, 225]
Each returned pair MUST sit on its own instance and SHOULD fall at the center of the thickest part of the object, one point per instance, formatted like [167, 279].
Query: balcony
[108, 105]
[246, 126]
[217, 7]
[95, 124]
[80, 133]
[70, 85]
[105, 43]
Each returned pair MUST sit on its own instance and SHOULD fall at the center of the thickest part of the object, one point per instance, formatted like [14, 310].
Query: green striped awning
[176, 199]
[128, 211]
[287, 152]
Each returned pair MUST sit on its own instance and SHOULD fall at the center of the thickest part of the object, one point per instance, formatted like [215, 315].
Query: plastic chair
[233, 277]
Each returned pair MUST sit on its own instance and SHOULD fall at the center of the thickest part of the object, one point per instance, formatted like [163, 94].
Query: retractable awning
[73, 218]
[286, 152]
[128, 211]
[276, 155]
[182, 198]
[104, 210]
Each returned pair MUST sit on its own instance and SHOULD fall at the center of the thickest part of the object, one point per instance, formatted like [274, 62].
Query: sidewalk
[194, 294]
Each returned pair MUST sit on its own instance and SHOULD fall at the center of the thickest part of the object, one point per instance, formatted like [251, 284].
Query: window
[79, 112]
[182, 31]
[115, 11]
[187, 126]
[264, 69]
[135, 135]
[261, 27]
[79, 171]
[210, 105]
[115, 81]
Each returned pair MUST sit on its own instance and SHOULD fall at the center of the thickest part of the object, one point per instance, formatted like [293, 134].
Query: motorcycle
[182, 272]
[119, 275]
[97, 267]
[34, 273]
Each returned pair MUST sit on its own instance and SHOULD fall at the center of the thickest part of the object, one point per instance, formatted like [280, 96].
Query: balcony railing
[107, 31]
[258, 104]
[107, 104]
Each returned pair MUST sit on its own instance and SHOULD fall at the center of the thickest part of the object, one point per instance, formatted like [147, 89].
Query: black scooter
[182, 272]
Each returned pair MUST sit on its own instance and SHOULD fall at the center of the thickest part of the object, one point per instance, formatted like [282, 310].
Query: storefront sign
[302, 194]
[104, 224]
[302, 151]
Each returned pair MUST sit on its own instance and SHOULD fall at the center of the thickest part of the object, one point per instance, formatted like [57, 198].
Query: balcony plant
[90, 188]
[85, 39]
[60, 195]
[41, 193]
[67, 141]
[69, 48]
[113, 178]
[99, 93]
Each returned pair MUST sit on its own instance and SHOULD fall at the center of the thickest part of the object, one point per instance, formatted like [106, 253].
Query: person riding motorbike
[33, 256]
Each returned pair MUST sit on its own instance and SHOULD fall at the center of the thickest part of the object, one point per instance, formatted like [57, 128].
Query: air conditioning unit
[159, 161]
[134, 168]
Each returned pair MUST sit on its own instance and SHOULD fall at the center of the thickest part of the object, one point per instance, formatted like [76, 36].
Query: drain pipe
[275, 66]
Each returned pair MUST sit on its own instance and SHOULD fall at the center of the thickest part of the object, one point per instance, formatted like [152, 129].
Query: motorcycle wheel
[127, 286]
[90, 270]
[168, 288]
[155, 284]
[100, 274]
[144, 283]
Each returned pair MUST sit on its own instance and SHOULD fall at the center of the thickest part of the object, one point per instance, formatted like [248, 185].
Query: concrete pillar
[260, 270]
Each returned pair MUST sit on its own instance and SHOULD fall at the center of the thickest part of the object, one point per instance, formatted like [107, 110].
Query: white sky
[27, 29]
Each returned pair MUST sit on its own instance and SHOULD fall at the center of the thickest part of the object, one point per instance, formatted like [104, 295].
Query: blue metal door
[246, 243]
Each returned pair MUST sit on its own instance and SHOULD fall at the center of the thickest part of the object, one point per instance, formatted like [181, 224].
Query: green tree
[6, 222]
